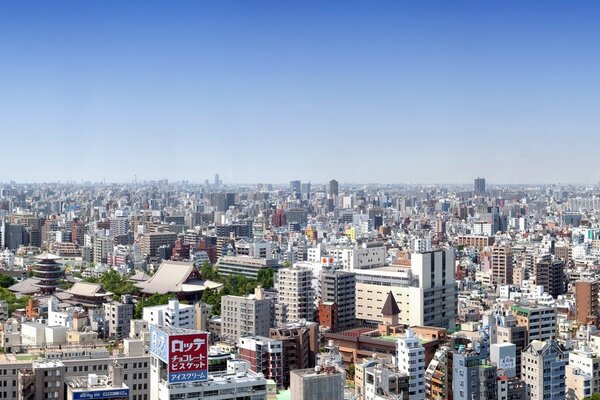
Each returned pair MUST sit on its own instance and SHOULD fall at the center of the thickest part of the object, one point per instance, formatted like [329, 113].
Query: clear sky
[262, 91]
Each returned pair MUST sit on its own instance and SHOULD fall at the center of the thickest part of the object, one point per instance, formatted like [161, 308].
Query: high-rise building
[438, 376]
[587, 307]
[295, 291]
[296, 188]
[172, 376]
[338, 288]
[305, 187]
[264, 355]
[550, 274]
[502, 265]
[173, 314]
[245, 316]
[102, 246]
[539, 321]
[543, 370]
[333, 188]
[153, 240]
[479, 185]
[582, 373]
[425, 291]
[411, 361]
[300, 346]
[119, 315]
[465, 379]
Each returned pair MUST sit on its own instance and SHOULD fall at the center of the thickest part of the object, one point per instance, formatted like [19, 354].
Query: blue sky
[264, 91]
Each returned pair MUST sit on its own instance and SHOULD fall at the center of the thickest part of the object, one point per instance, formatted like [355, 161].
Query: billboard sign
[159, 344]
[102, 394]
[185, 352]
[188, 357]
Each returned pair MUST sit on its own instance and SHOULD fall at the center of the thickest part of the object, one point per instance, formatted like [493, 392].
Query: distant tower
[333, 188]
[479, 185]
[217, 180]
[296, 188]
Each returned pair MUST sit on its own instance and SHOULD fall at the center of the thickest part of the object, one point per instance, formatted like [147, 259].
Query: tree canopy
[12, 300]
[114, 282]
[6, 281]
[235, 285]
[154, 300]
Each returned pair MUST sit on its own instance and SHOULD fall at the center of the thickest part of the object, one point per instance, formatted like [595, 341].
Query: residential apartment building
[172, 314]
[296, 293]
[264, 355]
[543, 370]
[119, 315]
[411, 362]
[539, 321]
[338, 288]
[245, 316]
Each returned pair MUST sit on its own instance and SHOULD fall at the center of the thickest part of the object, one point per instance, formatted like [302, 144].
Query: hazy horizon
[420, 92]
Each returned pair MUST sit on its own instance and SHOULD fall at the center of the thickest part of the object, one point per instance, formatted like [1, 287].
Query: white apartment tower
[173, 314]
[411, 361]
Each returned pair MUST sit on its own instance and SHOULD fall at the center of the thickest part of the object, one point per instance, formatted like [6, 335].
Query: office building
[94, 386]
[296, 189]
[425, 291]
[245, 265]
[333, 188]
[465, 379]
[237, 382]
[375, 379]
[479, 185]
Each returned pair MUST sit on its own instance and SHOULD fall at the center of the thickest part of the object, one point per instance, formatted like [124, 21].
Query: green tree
[114, 282]
[154, 300]
[213, 298]
[595, 396]
[265, 278]
[350, 372]
[12, 300]
[6, 281]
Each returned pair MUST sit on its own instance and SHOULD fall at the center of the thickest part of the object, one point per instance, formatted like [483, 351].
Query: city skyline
[416, 92]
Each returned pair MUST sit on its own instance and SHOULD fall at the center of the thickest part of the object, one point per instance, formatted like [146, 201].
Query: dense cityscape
[300, 291]
[299, 200]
